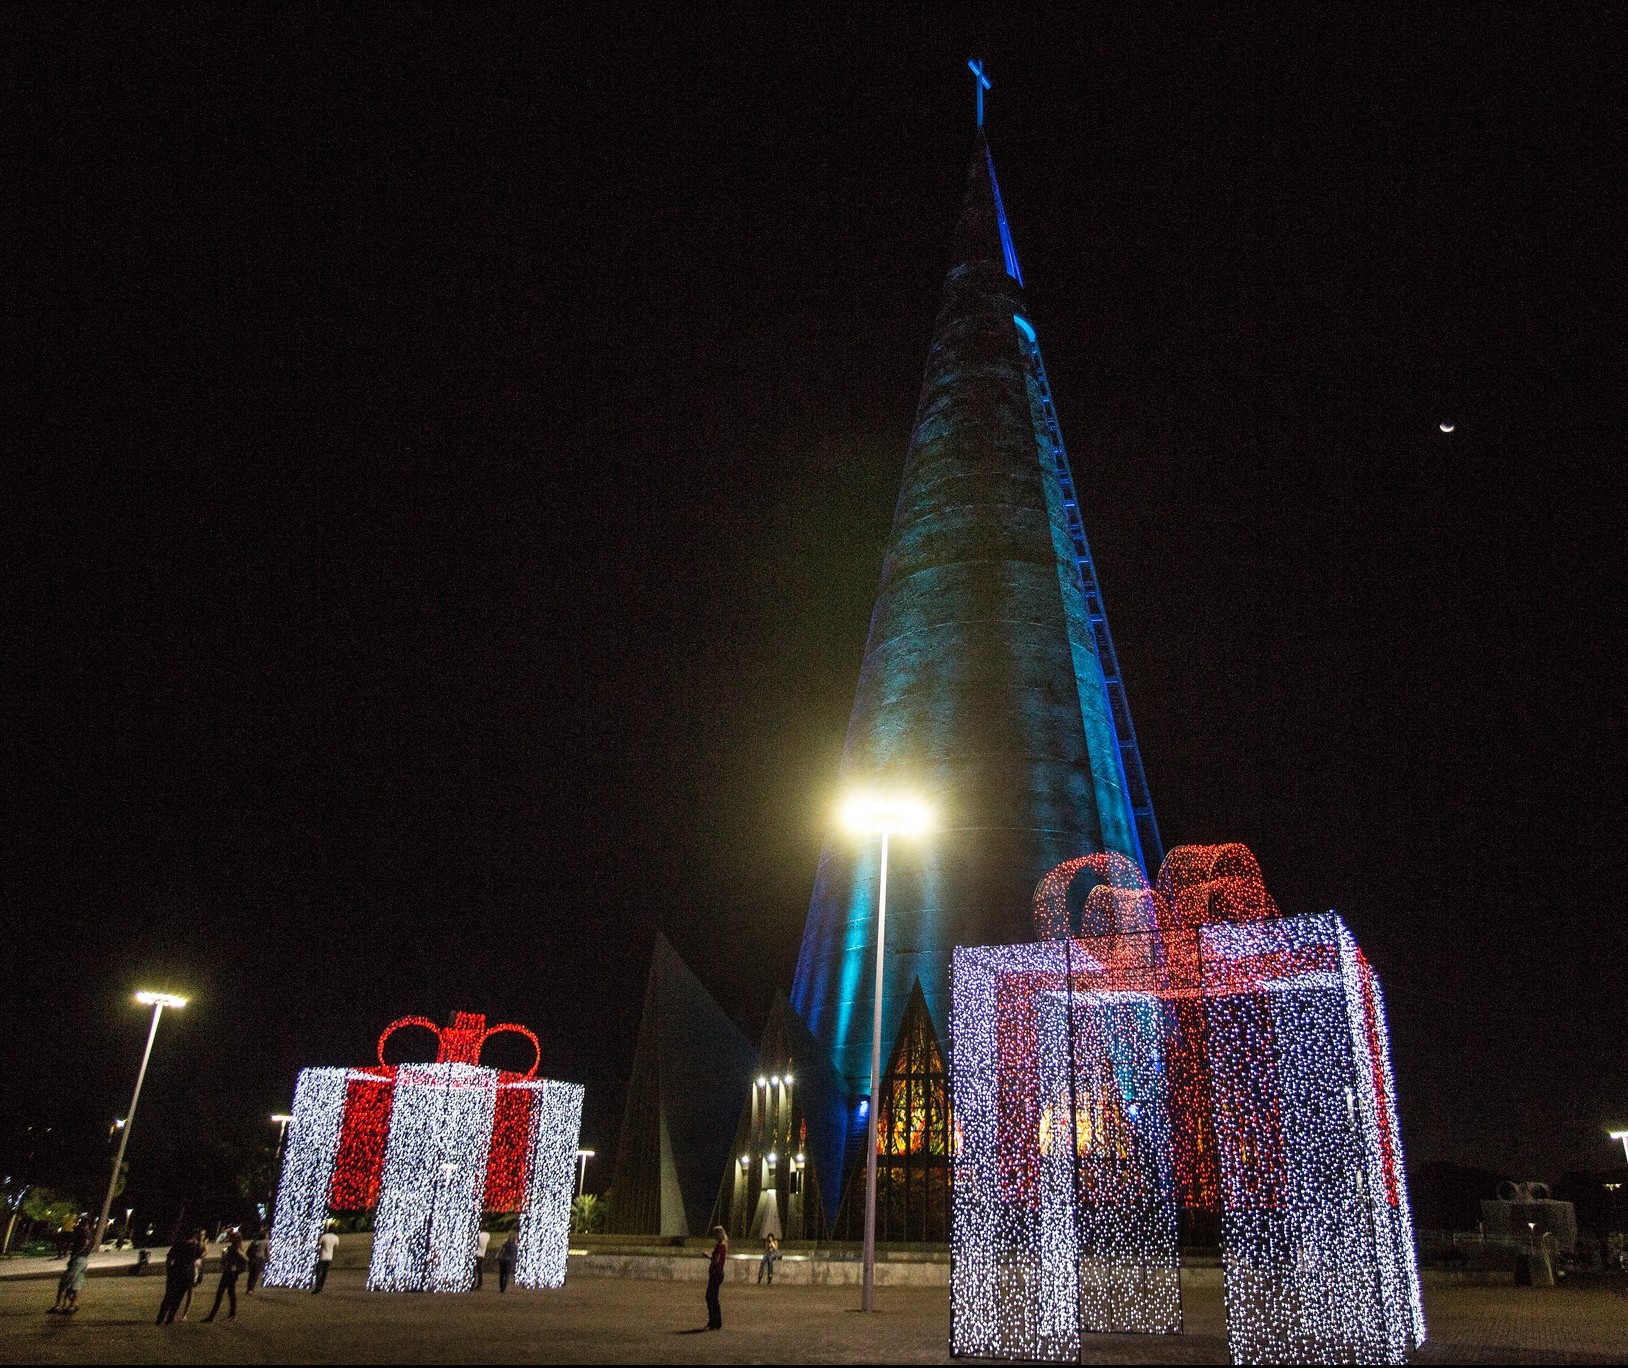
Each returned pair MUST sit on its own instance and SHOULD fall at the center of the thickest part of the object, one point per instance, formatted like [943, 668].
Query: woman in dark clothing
[506, 1256]
[715, 1277]
[179, 1264]
[256, 1255]
[232, 1263]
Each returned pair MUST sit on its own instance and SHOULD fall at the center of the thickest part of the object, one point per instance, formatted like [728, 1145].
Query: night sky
[450, 452]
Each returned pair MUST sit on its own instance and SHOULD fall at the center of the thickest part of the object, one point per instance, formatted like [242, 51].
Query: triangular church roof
[692, 1070]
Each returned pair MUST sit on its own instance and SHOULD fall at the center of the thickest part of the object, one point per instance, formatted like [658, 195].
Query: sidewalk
[104, 1261]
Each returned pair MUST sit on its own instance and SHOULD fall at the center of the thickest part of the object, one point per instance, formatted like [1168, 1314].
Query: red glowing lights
[370, 1095]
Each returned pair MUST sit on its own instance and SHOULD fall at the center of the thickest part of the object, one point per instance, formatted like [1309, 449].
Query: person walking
[178, 1266]
[507, 1253]
[232, 1262]
[483, 1242]
[255, 1256]
[715, 1277]
[771, 1254]
[326, 1246]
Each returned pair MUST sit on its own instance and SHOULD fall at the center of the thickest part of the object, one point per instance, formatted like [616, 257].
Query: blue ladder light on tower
[1130, 755]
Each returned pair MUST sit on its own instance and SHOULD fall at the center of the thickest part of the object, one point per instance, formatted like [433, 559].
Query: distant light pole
[583, 1156]
[878, 815]
[282, 1120]
[158, 1002]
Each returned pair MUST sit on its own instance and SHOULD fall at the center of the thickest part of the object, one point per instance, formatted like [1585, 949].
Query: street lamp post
[158, 1002]
[583, 1156]
[282, 1121]
[877, 815]
[1622, 1135]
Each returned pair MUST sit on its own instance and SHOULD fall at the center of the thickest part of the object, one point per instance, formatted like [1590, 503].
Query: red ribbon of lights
[370, 1095]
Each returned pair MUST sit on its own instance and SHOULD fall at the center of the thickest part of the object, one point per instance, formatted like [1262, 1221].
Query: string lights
[434, 1174]
[554, 1123]
[301, 1212]
[1196, 1049]
[430, 1146]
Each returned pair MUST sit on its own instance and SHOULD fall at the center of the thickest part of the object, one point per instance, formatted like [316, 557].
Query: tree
[57, 1211]
[587, 1214]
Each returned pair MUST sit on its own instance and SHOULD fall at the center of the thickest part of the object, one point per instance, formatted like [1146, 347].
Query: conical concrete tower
[988, 686]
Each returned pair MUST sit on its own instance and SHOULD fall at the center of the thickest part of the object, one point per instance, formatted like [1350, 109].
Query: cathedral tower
[989, 685]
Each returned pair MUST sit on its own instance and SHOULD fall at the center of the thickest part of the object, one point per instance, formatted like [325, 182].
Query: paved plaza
[626, 1321]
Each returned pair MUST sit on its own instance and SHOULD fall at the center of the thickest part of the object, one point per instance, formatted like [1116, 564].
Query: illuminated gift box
[429, 1147]
[1212, 1055]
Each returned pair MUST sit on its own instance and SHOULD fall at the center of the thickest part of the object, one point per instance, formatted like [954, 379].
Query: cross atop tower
[976, 65]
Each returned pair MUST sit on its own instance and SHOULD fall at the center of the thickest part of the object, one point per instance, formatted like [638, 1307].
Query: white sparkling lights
[434, 1176]
[308, 1170]
[545, 1224]
[1064, 1207]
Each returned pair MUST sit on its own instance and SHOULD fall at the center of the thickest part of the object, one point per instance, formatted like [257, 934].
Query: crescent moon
[1446, 427]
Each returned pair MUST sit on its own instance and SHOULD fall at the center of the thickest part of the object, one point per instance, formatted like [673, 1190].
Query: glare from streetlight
[280, 1119]
[147, 999]
[1622, 1137]
[886, 815]
[898, 814]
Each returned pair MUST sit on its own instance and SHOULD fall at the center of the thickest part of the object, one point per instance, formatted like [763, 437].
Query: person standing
[715, 1277]
[256, 1254]
[201, 1239]
[771, 1253]
[483, 1242]
[232, 1263]
[507, 1253]
[73, 1277]
[326, 1246]
[178, 1265]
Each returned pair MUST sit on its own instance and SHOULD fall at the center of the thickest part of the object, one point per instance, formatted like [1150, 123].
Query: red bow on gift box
[461, 1041]
[359, 1163]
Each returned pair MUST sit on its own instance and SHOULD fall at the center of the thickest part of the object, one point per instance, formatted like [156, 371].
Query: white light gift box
[435, 1145]
[1201, 1050]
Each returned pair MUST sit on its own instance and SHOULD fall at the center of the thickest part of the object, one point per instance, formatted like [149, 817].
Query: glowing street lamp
[158, 1002]
[1622, 1135]
[583, 1156]
[884, 815]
